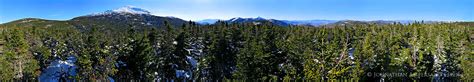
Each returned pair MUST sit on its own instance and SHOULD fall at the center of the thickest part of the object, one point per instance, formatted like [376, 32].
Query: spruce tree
[22, 62]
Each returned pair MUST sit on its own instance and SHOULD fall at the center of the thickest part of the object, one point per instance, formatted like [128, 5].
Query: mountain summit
[131, 10]
[125, 17]
[124, 10]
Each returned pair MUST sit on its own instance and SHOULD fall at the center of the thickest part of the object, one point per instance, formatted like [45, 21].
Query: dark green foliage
[17, 62]
[219, 61]
[247, 51]
[96, 60]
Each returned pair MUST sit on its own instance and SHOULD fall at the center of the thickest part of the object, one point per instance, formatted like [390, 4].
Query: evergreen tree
[219, 61]
[251, 62]
[181, 54]
[22, 62]
[248, 51]
[6, 67]
[96, 61]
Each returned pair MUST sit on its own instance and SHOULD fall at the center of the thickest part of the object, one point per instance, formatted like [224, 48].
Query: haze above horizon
[435, 10]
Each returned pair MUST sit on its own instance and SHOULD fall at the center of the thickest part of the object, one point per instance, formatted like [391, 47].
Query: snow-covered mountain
[124, 17]
[124, 10]
[258, 20]
[132, 10]
[208, 21]
[239, 19]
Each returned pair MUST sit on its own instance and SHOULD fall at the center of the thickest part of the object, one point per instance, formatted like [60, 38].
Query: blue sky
[444, 10]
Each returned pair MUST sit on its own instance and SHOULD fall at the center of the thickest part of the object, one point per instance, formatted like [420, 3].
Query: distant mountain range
[306, 22]
[277, 22]
[208, 21]
[310, 22]
[134, 17]
[257, 20]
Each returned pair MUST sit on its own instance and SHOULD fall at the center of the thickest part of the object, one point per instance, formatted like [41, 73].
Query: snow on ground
[192, 61]
[59, 68]
[351, 53]
[187, 73]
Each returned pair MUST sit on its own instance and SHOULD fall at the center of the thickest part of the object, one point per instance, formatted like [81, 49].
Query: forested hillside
[240, 51]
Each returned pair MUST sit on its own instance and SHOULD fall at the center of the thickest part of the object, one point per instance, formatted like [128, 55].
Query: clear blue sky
[460, 10]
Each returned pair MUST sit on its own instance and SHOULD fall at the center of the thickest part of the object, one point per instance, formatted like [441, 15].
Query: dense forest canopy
[398, 52]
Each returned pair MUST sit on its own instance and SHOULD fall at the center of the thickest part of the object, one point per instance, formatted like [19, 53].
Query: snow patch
[59, 69]
[182, 74]
[25, 21]
[351, 53]
[192, 61]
